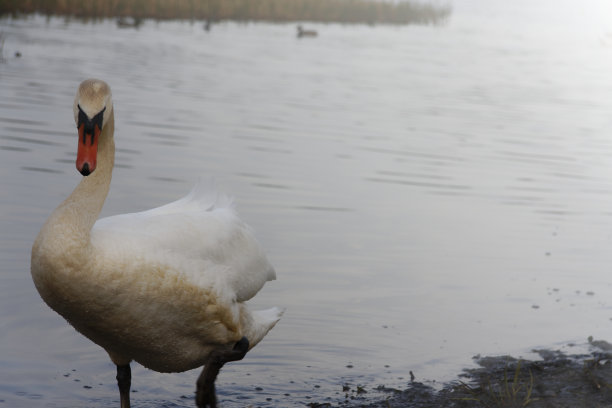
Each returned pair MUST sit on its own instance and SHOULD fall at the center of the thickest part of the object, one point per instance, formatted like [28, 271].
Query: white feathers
[164, 287]
[269, 315]
[199, 235]
[204, 196]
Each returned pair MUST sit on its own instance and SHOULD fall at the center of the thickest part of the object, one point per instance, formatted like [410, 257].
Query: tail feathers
[269, 316]
[263, 322]
[207, 197]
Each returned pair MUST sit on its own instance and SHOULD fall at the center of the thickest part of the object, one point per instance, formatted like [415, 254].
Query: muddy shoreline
[556, 380]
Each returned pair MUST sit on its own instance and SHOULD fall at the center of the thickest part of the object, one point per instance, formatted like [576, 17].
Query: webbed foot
[205, 386]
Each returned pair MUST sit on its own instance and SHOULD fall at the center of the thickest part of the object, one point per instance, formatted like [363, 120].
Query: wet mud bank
[556, 380]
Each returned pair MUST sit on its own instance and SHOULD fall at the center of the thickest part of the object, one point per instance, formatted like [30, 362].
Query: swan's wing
[199, 235]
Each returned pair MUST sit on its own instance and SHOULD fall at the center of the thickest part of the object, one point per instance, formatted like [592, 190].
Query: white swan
[164, 287]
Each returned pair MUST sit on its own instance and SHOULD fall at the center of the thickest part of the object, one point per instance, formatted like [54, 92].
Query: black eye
[82, 118]
[99, 118]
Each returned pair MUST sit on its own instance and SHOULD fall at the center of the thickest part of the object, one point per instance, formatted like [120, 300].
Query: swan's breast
[155, 315]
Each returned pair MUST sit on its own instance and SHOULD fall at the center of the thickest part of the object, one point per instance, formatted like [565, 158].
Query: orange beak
[88, 149]
[89, 135]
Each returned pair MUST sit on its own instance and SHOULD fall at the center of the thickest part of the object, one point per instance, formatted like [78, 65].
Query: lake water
[425, 193]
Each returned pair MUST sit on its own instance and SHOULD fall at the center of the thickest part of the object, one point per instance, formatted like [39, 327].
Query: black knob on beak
[85, 170]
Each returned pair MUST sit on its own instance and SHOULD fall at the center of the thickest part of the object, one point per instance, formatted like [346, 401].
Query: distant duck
[305, 33]
[129, 22]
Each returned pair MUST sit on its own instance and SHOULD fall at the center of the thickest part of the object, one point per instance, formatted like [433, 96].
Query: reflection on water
[426, 194]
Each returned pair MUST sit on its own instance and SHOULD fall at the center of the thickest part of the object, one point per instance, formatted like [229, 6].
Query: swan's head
[93, 106]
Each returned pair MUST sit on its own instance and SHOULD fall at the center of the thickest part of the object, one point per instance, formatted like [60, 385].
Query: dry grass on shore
[341, 11]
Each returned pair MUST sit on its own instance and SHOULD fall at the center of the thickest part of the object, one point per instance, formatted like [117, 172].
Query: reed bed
[328, 11]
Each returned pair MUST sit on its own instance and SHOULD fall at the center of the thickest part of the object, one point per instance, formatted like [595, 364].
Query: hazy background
[426, 192]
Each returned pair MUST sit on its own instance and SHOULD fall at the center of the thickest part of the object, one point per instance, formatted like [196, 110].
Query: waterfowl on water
[129, 22]
[305, 33]
[164, 287]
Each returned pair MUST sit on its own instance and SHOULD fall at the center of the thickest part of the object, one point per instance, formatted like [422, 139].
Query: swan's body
[163, 287]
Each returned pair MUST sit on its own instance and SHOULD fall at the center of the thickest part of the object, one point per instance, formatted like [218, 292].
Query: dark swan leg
[124, 380]
[205, 391]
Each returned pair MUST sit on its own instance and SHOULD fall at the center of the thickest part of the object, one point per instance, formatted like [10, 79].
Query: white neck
[78, 213]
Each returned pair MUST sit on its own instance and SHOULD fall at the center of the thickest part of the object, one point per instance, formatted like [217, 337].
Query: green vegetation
[510, 393]
[342, 11]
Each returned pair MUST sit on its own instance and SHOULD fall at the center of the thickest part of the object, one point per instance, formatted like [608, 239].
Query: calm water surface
[426, 194]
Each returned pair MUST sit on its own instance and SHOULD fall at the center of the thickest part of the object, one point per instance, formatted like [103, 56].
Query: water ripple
[30, 140]
[438, 186]
[41, 169]
[166, 179]
[15, 148]
[272, 185]
[23, 121]
[419, 155]
[32, 131]
[270, 149]
[322, 208]
[164, 125]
